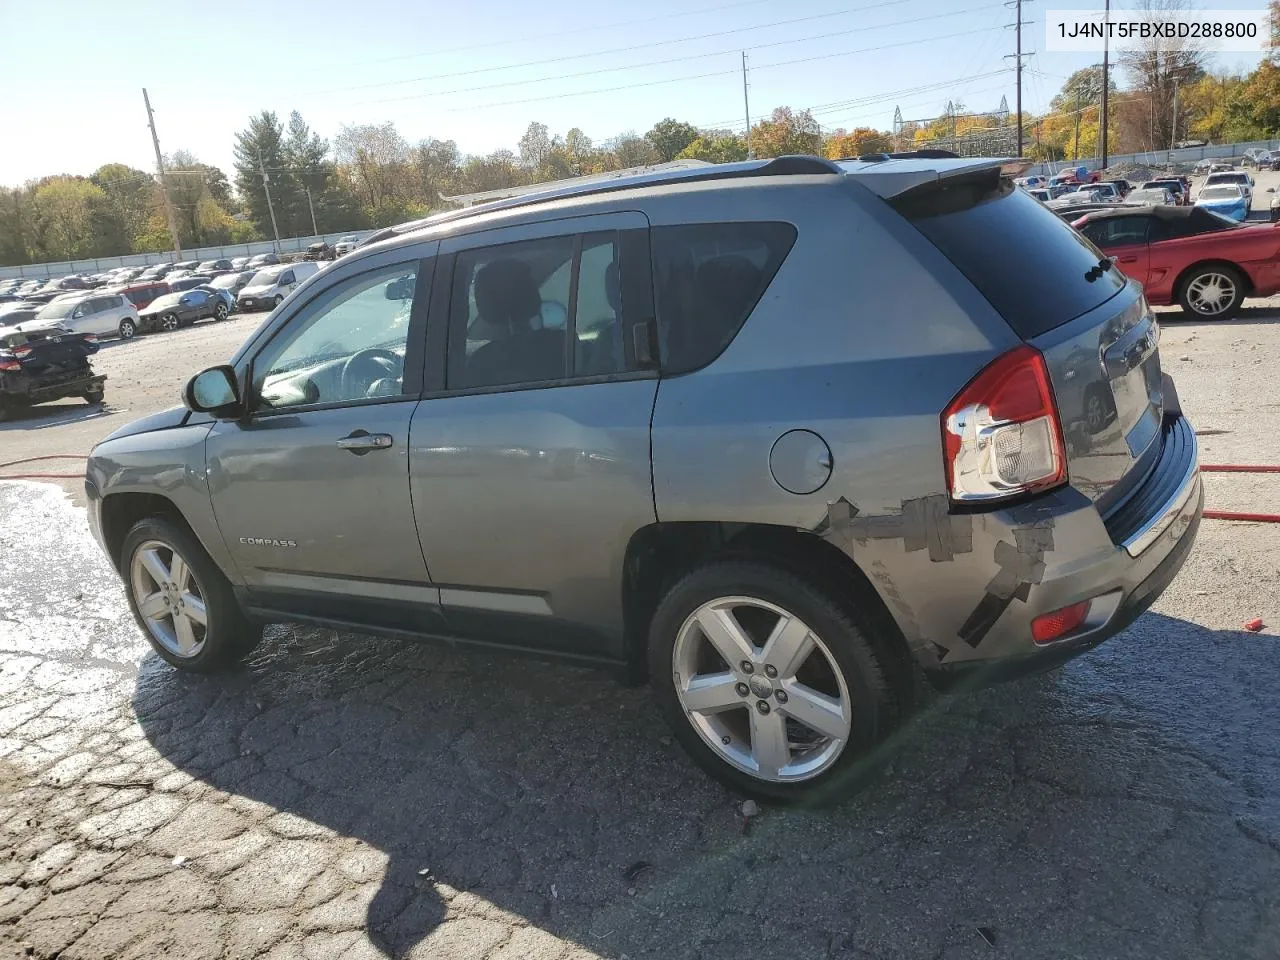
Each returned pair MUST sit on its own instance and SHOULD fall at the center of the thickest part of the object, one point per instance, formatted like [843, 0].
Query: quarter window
[708, 278]
[349, 345]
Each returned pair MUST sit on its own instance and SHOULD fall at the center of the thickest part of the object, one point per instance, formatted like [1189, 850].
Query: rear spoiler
[892, 178]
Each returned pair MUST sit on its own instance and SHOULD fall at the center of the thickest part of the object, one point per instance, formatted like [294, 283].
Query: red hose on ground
[1236, 468]
[43, 476]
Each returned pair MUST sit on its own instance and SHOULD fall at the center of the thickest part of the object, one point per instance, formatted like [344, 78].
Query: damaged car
[777, 437]
[49, 363]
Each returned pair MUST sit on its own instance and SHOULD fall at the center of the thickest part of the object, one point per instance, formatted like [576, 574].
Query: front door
[530, 468]
[311, 490]
[1126, 241]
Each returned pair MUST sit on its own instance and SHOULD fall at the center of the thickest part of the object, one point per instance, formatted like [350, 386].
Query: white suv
[105, 315]
[1236, 178]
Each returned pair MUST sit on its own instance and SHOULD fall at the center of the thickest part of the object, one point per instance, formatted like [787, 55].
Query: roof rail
[785, 166]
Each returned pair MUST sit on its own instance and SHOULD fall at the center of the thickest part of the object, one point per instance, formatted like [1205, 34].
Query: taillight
[22, 351]
[1051, 626]
[90, 338]
[1001, 434]
[10, 365]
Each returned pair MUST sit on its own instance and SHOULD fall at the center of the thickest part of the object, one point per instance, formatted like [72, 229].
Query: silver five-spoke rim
[1211, 293]
[169, 322]
[169, 598]
[762, 689]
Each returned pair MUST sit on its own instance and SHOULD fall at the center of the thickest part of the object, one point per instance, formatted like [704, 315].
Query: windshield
[1153, 196]
[1228, 178]
[58, 309]
[226, 281]
[1220, 193]
[266, 278]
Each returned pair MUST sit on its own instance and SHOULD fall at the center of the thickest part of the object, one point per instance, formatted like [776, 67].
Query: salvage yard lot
[349, 797]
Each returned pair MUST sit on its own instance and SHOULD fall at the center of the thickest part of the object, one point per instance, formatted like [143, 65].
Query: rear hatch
[1058, 293]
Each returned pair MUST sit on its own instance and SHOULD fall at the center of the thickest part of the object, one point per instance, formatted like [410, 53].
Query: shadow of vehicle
[554, 795]
[52, 414]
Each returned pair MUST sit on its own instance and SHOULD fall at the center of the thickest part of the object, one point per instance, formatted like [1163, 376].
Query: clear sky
[478, 71]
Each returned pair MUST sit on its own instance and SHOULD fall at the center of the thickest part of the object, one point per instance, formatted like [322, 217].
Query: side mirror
[215, 391]
[401, 289]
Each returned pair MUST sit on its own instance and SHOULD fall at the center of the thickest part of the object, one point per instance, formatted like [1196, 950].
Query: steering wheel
[365, 368]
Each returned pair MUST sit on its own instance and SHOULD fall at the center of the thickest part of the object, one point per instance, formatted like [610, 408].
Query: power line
[559, 33]
[697, 76]
[613, 50]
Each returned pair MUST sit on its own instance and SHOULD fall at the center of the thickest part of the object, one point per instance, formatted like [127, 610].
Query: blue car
[1224, 199]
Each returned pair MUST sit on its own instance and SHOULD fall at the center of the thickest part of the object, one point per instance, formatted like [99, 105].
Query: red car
[141, 294]
[1190, 256]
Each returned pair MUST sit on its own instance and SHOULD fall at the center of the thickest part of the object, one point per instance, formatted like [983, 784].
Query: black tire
[127, 329]
[94, 396]
[276, 302]
[1186, 291]
[874, 704]
[229, 635]
[169, 322]
[220, 312]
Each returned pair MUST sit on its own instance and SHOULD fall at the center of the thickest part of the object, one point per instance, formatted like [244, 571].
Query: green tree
[855, 143]
[439, 169]
[1083, 87]
[16, 226]
[1253, 109]
[786, 132]
[535, 146]
[263, 139]
[68, 209]
[376, 159]
[669, 137]
[716, 147]
[131, 195]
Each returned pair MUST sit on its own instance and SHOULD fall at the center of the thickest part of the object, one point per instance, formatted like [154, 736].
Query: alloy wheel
[761, 689]
[127, 330]
[169, 598]
[220, 312]
[169, 322]
[1211, 293]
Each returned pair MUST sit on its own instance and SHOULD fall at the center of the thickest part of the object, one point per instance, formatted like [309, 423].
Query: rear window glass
[708, 278]
[1029, 264]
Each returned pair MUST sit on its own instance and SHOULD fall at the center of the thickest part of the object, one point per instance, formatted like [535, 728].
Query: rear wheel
[1212, 292]
[276, 302]
[127, 329]
[181, 600]
[169, 322]
[769, 684]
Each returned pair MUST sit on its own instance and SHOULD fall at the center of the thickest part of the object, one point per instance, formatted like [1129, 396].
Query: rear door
[530, 460]
[1054, 288]
[311, 489]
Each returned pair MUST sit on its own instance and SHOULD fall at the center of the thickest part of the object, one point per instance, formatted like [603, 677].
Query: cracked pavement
[342, 796]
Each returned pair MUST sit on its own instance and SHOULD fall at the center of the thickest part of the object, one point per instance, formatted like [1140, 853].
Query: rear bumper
[1011, 566]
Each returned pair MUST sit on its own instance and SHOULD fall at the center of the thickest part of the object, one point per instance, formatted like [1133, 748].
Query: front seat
[507, 301]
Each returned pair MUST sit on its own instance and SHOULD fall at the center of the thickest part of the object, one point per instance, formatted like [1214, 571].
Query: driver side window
[347, 345]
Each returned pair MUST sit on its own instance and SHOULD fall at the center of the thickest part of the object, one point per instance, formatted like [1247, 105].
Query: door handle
[1128, 259]
[362, 441]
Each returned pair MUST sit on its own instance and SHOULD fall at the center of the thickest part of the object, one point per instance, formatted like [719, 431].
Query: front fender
[165, 463]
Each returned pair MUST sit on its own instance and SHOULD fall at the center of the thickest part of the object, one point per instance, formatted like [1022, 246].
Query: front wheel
[769, 684]
[276, 302]
[220, 312]
[1212, 292]
[181, 600]
[169, 322]
[93, 397]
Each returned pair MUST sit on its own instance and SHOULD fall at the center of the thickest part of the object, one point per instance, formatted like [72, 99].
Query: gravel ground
[348, 797]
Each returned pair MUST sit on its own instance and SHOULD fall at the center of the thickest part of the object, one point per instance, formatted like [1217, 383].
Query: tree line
[370, 175]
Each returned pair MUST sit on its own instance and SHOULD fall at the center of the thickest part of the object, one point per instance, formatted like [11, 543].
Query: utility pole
[1106, 79]
[746, 104]
[270, 209]
[1075, 154]
[164, 191]
[1173, 126]
[310, 206]
[1017, 58]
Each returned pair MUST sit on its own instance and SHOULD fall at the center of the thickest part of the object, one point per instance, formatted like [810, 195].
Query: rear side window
[1030, 265]
[708, 278]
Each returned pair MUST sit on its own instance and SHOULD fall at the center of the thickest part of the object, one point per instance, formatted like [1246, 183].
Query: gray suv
[775, 436]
